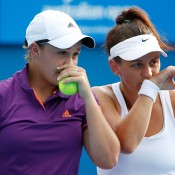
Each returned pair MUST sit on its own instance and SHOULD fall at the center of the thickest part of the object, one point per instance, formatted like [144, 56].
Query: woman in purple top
[42, 131]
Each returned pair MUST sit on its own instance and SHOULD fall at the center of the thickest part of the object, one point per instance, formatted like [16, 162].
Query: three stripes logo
[66, 114]
[70, 25]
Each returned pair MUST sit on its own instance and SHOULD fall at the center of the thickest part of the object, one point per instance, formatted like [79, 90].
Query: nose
[147, 72]
[69, 60]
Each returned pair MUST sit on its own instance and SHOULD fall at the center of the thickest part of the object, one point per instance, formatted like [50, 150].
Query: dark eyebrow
[137, 60]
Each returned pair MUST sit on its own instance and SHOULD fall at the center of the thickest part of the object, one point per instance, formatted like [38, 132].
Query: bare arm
[132, 128]
[100, 141]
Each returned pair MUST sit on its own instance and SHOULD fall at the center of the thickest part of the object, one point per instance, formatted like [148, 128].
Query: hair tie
[127, 20]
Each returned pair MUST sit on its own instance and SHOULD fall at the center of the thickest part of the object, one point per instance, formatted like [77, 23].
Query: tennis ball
[68, 88]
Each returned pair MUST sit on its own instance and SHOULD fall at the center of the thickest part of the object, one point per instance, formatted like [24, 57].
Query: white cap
[58, 29]
[136, 47]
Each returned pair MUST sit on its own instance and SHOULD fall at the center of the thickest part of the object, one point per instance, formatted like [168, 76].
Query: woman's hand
[165, 79]
[75, 74]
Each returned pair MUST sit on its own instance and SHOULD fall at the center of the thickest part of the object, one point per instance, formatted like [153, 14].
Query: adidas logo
[70, 25]
[66, 114]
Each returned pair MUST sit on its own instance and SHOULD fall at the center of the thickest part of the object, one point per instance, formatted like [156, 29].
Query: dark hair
[39, 42]
[132, 22]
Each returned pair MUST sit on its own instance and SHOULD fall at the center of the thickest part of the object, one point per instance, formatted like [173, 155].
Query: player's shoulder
[106, 97]
[104, 91]
[5, 85]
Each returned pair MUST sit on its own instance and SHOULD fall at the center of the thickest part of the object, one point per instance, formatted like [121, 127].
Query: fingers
[71, 71]
[69, 68]
[165, 79]
[76, 69]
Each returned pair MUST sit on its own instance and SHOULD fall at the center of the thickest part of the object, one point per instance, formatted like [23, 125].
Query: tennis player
[141, 107]
[42, 131]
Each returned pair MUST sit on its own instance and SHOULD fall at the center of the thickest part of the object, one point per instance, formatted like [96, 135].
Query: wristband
[149, 89]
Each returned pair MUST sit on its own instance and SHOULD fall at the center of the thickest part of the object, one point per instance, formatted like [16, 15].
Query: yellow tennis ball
[68, 88]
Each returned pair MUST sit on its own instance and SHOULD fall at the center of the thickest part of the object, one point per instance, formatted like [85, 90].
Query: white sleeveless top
[155, 155]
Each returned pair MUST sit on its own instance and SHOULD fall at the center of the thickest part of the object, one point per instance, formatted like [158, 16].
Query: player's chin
[54, 81]
[54, 84]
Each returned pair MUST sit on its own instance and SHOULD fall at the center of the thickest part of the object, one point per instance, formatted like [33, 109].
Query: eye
[75, 55]
[137, 65]
[155, 63]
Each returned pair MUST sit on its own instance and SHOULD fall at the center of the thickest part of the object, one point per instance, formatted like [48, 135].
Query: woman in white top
[139, 112]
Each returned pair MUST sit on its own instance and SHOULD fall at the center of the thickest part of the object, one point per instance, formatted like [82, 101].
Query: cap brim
[71, 39]
[141, 51]
[88, 42]
[136, 47]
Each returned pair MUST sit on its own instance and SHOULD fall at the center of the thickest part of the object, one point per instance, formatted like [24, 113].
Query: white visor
[136, 47]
